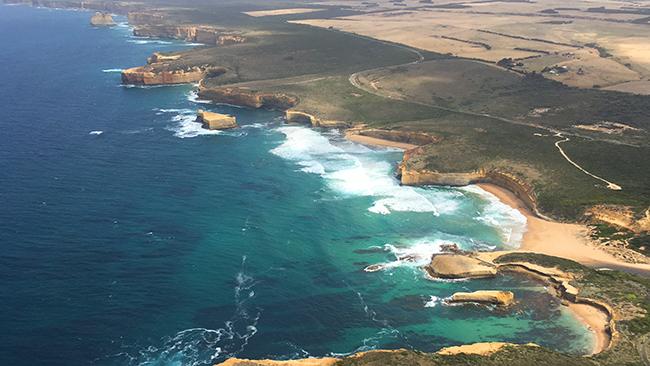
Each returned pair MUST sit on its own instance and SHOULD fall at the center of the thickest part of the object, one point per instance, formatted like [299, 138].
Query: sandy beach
[379, 142]
[566, 241]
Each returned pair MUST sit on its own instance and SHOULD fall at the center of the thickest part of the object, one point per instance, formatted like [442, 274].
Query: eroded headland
[544, 104]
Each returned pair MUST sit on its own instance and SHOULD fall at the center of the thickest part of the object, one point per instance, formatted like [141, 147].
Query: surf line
[610, 185]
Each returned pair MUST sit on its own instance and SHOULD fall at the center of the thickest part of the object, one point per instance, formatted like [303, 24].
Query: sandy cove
[567, 241]
[551, 238]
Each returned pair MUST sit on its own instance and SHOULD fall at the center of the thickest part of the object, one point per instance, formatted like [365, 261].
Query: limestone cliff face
[103, 19]
[300, 118]
[246, 98]
[420, 177]
[150, 75]
[216, 121]
[158, 58]
[189, 34]
[619, 216]
[143, 76]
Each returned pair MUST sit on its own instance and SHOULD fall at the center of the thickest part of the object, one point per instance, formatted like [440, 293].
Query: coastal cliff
[143, 76]
[246, 98]
[102, 19]
[156, 72]
[300, 118]
[207, 36]
[523, 190]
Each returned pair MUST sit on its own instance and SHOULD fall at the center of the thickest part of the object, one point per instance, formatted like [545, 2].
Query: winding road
[354, 80]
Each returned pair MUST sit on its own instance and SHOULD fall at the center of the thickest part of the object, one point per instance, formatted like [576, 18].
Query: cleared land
[599, 46]
[265, 13]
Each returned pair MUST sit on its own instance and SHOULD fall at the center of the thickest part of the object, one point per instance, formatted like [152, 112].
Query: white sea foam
[96, 132]
[433, 300]
[509, 222]
[351, 169]
[184, 125]
[113, 70]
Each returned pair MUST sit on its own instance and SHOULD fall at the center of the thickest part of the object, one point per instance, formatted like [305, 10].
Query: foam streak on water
[201, 346]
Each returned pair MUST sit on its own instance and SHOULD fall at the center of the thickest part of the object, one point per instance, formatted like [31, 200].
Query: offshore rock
[501, 298]
[216, 121]
[103, 19]
[246, 98]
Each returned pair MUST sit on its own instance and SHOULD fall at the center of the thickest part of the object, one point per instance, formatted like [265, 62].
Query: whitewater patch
[96, 132]
[113, 70]
[353, 170]
[509, 222]
[416, 253]
[184, 125]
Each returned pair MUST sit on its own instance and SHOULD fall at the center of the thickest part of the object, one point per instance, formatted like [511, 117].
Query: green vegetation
[486, 116]
[511, 123]
[601, 51]
[640, 243]
[520, 356]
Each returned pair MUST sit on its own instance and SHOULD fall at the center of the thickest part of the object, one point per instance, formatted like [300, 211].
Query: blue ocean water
[130, 236]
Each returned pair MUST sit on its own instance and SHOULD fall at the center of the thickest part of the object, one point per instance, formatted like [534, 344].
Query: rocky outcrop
[300, 118]
[619, 216]
[157, 72]
[216, 121]
[103, 19]
[500, 298]
[159, 58]
[144, 76]
[246, 98]
[460, 266]
[189, 34]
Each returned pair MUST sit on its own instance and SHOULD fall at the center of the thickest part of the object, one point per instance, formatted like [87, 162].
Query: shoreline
[562, 240]
[378, 142]
[566, 241]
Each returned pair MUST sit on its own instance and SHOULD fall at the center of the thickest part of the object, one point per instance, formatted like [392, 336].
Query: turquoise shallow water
[130, 236]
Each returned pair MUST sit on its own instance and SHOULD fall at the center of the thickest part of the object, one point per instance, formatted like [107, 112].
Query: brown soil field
[264, 13]
[460, 32]
[635, 87]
